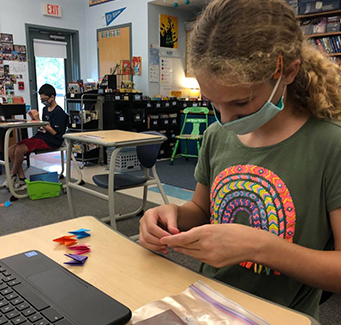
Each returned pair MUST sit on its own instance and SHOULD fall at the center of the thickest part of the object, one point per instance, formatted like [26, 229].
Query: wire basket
[126, 160]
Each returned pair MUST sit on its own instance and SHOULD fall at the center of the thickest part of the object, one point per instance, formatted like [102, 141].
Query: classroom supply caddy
[41, 190]
[126, 159]
[42, 186]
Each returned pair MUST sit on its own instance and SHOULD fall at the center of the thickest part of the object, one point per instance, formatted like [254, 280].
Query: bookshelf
[328, 42]
[319, 14]
[323, 35]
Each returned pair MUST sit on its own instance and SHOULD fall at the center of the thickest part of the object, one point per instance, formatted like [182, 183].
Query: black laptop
[4, 119]
[36, 290]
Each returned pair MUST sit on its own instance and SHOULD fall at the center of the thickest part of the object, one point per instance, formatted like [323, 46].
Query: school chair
[194, 123]
[147, 156]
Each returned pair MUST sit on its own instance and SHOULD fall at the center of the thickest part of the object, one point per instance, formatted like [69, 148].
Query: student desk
[112, 138]
[10, 126]
[131, 274]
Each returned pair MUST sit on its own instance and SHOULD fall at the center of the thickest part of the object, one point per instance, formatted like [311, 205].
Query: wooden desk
[10, 126]
[112, 138]
[131, 274]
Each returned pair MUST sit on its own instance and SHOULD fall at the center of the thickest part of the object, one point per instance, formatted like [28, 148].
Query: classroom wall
[136, 14]
[179, 55]
[77, 15]
[15, 13]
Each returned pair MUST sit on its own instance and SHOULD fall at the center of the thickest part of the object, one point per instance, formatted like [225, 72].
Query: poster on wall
[154, 73]
[168, 31]
[137, 66]
[166, 76]
[154, 63]
[6, 38]
[97, 2]
[154, 55]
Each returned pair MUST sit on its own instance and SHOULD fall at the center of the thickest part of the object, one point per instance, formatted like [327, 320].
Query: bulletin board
[114, 45]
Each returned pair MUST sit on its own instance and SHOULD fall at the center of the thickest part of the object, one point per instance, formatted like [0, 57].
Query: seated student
[266, 212]
[47, 137]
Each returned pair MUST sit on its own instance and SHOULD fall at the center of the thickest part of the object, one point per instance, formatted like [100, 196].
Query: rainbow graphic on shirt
[261, 194]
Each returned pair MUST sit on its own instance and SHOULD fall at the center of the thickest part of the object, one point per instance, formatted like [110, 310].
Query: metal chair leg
[61, 175]
[162, 192]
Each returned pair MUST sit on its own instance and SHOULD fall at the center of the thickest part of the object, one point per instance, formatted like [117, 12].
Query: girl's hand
[219, 245]
[158, 223]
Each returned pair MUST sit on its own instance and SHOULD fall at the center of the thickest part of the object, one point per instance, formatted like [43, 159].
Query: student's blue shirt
[58, 121]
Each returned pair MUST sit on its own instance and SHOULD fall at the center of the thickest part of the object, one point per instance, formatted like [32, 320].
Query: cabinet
[86, 114]
[164, 117]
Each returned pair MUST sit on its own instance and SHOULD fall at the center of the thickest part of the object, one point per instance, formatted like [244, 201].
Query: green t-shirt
[287, 189]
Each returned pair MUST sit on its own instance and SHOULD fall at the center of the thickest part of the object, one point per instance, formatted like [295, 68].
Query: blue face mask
[254, 121]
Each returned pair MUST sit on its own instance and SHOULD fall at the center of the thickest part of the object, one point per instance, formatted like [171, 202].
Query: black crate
[153, 121]
[92, 125]
[121, 117]
[157, 104]
[138, 115]
[165, 104]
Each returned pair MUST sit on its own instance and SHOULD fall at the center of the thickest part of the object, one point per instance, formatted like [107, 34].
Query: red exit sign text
[52, 10]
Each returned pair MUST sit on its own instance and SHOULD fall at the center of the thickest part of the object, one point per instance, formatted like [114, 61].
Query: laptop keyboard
[20, 305]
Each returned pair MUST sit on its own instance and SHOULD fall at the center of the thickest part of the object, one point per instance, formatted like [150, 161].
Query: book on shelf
[330, 45]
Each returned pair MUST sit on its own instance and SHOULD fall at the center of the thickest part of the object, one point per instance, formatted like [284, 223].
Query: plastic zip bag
[198, 304]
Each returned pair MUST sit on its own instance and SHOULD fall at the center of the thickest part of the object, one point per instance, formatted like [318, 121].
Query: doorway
[53, 56]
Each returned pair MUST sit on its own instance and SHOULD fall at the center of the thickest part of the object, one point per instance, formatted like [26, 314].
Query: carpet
[26, 213]
[180, 174]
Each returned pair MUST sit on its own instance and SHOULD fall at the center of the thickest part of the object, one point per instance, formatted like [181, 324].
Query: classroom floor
[51, 162]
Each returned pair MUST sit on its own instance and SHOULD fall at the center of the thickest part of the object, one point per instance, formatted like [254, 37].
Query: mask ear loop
[279, 67]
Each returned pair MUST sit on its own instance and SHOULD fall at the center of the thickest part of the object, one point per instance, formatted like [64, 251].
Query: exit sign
[52, 10]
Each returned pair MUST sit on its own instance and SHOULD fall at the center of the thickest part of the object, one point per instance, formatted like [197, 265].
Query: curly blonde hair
[239, 41]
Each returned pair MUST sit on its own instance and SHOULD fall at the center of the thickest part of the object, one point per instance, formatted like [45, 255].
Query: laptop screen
[2, 115]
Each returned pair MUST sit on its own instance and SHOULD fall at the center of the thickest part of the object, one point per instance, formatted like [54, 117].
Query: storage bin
[138, 115]
[333, 24]
[309, 7]
[165, 104]
[331, 5]
[136, 96]
[157, 104]
[319, 26]
[126, 160]
[41, 190]
[164, 119]
[153, 121]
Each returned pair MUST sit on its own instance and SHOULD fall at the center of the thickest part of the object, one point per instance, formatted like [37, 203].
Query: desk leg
[111, 191]
[7, 168]
[68, 177]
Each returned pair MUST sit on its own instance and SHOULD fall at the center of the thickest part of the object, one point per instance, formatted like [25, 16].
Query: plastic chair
[147, 155]
[195, 133]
